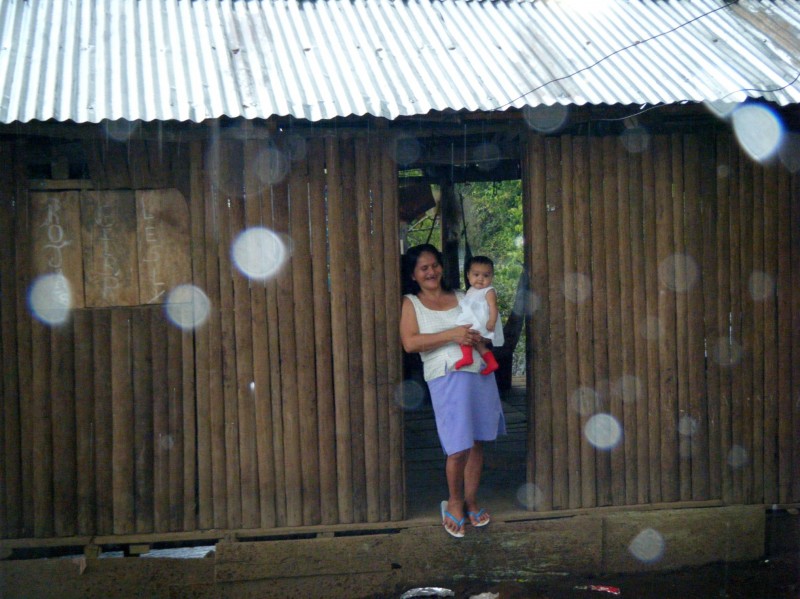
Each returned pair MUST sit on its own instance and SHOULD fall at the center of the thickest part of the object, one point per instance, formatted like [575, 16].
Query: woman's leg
[472, 480]
[455, 470]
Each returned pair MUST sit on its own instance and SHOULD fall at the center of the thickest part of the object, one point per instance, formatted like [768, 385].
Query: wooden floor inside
[504, 465]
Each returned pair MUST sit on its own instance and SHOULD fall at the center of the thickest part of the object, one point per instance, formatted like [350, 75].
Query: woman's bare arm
[491, 299]
[415, 342]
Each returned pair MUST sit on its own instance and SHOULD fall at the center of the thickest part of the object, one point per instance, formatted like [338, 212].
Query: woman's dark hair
[410, 259]
[485, 260]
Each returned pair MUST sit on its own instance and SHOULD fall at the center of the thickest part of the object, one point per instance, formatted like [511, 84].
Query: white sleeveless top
[438, 362]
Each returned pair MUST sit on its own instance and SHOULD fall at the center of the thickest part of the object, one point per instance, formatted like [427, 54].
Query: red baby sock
[466, 360]
[491, 363]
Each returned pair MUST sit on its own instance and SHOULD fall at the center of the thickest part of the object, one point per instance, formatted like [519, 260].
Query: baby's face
[480, 276]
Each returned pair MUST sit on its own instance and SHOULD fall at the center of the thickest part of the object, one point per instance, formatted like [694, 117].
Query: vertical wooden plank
[197, 200]
[795, 303]
[540, 465]
[11, 411]
[746, 325]
[651, 327]
[599, 310]
[175, 426]
[348, 176]
[785, 202]
[289, 368]
[666, 317]
[755, 293]
[188, 431]
[678, 283]
[721, 347]
[371, 435]
[245, 403]
[637, 386]
[143, 418]
[122, 422]
[101, 345]
[709, 206]
[213, 204]
[391, 252]
[624, 386]
[385, 300]
[694, 426]
[161, 438]
[229, 170]
[555, 290]
[583, 398]
[735, 454]
[573, 294]
[24, 360]
[769, 448]
[42, 430]
[262, 397]
[84, 419]
[62, 391]
[339, 289]
[610, 198]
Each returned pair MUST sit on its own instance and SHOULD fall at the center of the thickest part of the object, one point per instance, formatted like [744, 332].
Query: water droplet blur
[577, 287]
[585, 401]
[758, 130]
[723, 171]
[519, 241]
[534, 303]
[720, 108]
[652, 329]
[486, 156]
[187, 307]
[259, 253]
[762, 286]
[546, 119]
[629, 387]
[603, 431]
[120, 130]
[648, 546]
[271, 165]
[678, 272]
[529, 496]
[726, 352]
[409, 395]
[636, 139]
[297, 147]
[166, 442]
[737, 456]
[687, 426]
[407, 150]
[789, 151]
[50, 299]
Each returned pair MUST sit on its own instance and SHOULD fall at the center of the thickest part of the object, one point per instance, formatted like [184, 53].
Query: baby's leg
[488, 358]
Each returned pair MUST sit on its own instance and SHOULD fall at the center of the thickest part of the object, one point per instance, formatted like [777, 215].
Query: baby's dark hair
[485, 260]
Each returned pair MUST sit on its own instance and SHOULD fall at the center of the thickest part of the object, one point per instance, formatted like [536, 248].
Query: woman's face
[427, 272]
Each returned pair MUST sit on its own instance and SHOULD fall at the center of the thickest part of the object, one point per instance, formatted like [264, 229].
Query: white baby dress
[475, 311]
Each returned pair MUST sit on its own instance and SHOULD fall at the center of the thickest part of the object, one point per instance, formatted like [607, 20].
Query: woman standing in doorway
[466, 404]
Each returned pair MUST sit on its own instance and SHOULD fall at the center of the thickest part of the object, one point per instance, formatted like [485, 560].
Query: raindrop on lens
[546, 119]
[652, 328]
[603, 431]
[678, 272]
[486, 156]
[271, 166]
[410, 395]
[648, 546]
[737, 456]
[629, 387]
[720, 108]
[187, 307]
[687, 426]
[726, 352]
[529, 496]
[534, 302]
[762, 286]
[585, 401]
[407, 150]
[258, 253]
[789, 152]
[636, 139]
[50, 299]
[758, 130]
[120, 130]
[577, 287]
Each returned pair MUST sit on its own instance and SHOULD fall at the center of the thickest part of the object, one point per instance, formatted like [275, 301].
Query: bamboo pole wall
[277, 412]
[666, 297]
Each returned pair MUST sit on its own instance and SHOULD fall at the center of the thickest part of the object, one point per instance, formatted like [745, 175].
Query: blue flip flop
[477, 516]
[445, 515]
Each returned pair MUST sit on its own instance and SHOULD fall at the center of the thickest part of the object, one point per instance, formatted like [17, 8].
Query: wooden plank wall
[277, 412]
[667, 297]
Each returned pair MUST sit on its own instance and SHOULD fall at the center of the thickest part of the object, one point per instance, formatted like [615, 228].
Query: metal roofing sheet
[191, 60]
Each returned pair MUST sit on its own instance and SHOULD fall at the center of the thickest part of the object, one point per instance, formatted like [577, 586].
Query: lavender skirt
[467, 409]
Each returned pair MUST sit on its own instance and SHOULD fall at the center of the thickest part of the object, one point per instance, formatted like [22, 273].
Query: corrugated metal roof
[191, 60]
